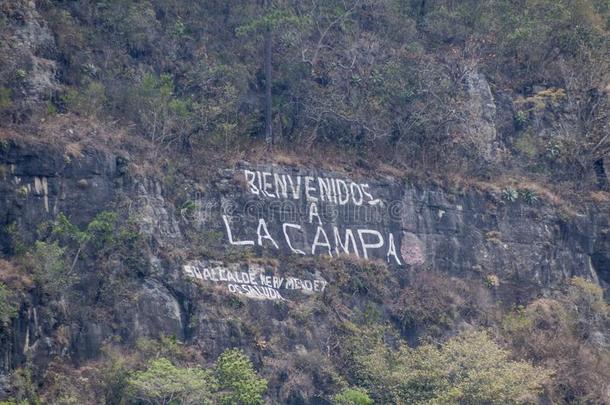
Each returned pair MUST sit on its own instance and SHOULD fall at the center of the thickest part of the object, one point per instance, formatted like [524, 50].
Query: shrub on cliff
[238, 380]
[352, 396]
[566, 333]
[48, 262]
[469, 368]
[7, 307]
[233, 381]
[163, 383]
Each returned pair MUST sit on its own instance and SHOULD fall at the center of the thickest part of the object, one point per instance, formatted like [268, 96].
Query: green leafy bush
[163, 383]
[232, 381]
[510, 194]
[528, 196]
[352, 396]
[8, 308]
[238, 380]
[563, 333]
[468, 368]
[164, 117]
[87, 100]
[5, 98]
[51, 271]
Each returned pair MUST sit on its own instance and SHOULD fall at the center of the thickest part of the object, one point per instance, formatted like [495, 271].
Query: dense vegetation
[383, 81]
[392, 77]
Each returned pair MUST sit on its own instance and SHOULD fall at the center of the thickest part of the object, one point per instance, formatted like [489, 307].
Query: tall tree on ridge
[268, 78]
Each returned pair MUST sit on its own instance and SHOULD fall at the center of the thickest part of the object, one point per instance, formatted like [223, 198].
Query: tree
[586, 78]
[272, 19]
[48, 260]
[163, 383]
[268, 101]
[469, 368]
[238, 381]
[97, 235]
[352, 396]
[8, 308]
[566, 333]
[163, 116]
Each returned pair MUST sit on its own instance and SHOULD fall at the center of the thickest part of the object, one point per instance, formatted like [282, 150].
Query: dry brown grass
[330, 158]
[74, 135]
[74, 150]
[394, 171]
[560, 199]
[600, 197]
[345, 162]
[14, 277]
[264, 261]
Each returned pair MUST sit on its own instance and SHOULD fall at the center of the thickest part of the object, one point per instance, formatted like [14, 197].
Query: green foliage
[51, 108]
[5, 98]
[20, 74]
[17, 244]
[54, 260]
[510, 194]
[238, 380]
[516, 319]
[491, 281]
[371, 313]
[521, 118]
[99, 232]
[87, 100]
[385, 76]
[233, 380]
[163, 383]
[132, 24]
[273, 19]
[468, 368]
[23, 388]
[8, 306]
[167, 347]
[589, 306]
[62, 227]
[114, 375]
[559, 333]
[362, 74]
[50, 269]
[352, 396]
[22, 192]
[188, 208]
[164, 117]
[528, 196]
[179, 30]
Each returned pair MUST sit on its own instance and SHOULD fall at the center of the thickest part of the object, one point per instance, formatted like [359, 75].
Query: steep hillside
[393, 202]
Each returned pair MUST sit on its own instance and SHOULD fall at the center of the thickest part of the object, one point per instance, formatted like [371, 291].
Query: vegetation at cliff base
[469, 368]
[163, 383]
[232, 382]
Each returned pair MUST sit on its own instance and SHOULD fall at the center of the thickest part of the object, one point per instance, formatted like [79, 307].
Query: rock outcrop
[264, 270]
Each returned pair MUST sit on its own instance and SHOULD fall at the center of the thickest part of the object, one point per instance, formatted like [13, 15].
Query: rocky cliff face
[31, 69]
[240, 260]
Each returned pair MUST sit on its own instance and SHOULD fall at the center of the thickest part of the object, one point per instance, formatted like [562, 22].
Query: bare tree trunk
[600, 173]
[421, 13]
[268, 104]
